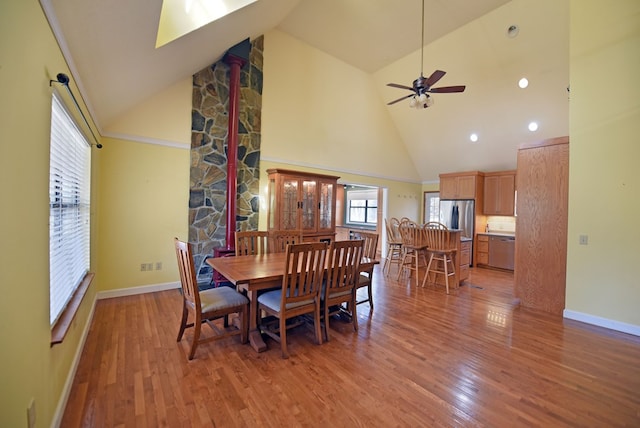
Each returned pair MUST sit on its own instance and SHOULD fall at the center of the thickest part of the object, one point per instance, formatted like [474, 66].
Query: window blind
[69, 208]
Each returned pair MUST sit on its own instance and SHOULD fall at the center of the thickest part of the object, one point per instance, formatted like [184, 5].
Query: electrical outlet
[584, 239]
[158, 265]
[143, 267]
[149, 266]
[31, 414]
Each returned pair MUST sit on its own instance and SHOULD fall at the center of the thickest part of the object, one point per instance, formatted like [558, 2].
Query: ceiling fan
[422, 86]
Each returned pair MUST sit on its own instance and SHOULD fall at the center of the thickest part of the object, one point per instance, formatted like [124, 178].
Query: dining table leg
[255, 337]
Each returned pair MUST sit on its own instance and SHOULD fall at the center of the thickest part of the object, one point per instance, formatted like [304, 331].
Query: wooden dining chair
[251, 242]
[414, 247]
[279, 239]
[304, 269]
[441, 251]
[394, 245]
[341, 282]
[208, 305]
[369, 250]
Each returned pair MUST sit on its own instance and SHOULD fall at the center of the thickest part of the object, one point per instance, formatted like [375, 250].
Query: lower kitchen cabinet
[496, 251]
[483, 250]
[465, 260]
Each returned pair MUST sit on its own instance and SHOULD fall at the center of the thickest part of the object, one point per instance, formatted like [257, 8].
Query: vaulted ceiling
[111, 45]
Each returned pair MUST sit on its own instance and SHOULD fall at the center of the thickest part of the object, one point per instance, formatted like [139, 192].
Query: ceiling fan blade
[435, 76]
[395, 85]
[447, 89]
[400, 99]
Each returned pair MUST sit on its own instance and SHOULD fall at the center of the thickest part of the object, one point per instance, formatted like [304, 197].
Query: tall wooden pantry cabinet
[541, 225]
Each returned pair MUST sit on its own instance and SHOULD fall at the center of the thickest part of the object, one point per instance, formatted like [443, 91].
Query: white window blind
[69, 208]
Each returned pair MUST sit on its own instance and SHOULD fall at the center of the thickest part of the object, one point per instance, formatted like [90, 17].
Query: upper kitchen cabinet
[302, 201]
[461, 185]
[499, 193]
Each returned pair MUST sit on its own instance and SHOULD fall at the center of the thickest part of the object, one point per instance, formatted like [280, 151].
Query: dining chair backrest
[437, 236]
[279, 239]
[304, 273]
[344, 265]
[252, 242]
[186, 268]
[370, 246]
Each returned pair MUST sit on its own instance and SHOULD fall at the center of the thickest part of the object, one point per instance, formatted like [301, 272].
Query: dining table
[254, 273]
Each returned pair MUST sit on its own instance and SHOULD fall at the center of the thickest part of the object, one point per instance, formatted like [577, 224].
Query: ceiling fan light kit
[421, 88]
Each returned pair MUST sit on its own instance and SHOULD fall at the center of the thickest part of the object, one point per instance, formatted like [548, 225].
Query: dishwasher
[501, 251]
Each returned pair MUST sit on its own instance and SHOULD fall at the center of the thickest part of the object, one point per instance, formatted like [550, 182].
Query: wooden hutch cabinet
[499, 193]
[302, 200]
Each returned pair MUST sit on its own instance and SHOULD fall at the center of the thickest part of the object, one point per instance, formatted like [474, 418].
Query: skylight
[180, 17]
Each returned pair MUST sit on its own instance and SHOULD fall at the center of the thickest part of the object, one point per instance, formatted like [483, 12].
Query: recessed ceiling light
[533, 126]
[523, 83]
[473, 137]
[512, 31]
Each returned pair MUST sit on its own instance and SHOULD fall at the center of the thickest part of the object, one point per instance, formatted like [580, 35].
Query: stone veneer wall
[208, 177]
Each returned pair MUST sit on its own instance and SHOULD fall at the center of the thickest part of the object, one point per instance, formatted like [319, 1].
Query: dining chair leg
[183, 323]
[283, 337]
[354, 315]
[325, 325]
[318, 326]
[197, 325]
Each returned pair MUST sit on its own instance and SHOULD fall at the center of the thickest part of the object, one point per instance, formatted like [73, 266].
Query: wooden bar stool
[441, 251]
[394, 245]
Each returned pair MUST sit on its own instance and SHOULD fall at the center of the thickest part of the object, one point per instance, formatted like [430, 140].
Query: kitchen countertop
[500, 233]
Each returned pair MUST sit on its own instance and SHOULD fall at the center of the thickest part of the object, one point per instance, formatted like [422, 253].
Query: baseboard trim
[120, 292]
[602, 322]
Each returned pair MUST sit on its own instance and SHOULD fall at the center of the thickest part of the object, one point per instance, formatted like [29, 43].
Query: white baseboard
[137, 290]
[602, 322]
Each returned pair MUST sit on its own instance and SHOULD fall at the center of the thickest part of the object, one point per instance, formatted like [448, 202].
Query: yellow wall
[604, 178]
[29, 367]
[164, 118]
[320, 112]
[144, 201]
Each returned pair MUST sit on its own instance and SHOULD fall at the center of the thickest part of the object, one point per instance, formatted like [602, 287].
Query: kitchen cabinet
[541, 225]
[483, 250]
[499, 193]
[463, 185]
[465, 260]
[496, 251]
[302, 201]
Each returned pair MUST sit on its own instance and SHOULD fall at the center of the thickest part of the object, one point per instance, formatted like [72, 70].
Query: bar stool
[414, 246]
[441, 251]
[394, 245]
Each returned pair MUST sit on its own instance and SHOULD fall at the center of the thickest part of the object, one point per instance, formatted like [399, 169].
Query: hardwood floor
[423, 359]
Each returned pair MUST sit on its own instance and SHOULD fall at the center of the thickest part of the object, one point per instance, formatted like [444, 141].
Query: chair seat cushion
[364, 279]
[215, 299]
[272, 299]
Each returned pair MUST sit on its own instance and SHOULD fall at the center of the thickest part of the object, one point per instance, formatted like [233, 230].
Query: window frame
[369, 195]
[69, 217]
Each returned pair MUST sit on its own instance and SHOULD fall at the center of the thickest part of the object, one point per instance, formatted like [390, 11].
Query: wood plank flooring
[423, 359]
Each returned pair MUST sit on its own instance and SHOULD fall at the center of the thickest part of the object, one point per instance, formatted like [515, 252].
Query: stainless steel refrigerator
[458, 215]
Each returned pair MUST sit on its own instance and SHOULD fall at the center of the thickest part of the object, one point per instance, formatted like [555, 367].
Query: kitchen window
[362, 205]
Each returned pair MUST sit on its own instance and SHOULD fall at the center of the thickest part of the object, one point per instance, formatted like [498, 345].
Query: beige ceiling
[111, 47]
